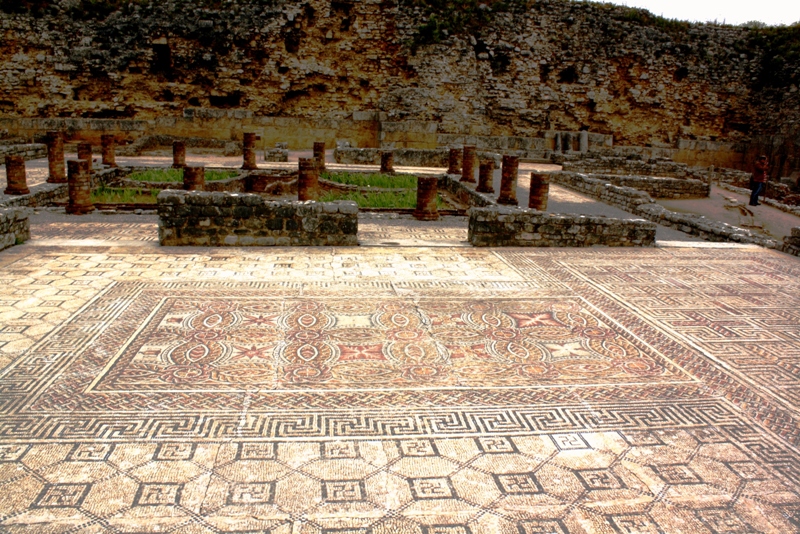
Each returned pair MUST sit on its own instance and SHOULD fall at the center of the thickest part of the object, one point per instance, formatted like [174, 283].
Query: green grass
[119, 195]
[383, 199]
[388, 181]
[176, 175]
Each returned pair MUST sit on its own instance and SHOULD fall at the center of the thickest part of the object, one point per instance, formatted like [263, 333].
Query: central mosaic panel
[193, 344]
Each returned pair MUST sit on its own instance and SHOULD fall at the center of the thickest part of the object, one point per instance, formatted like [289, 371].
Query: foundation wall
[521, 227]
[27, 151]
[193, 218]
[14, 227]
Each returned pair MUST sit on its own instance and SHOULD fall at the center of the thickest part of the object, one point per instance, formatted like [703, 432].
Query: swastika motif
[410, 390]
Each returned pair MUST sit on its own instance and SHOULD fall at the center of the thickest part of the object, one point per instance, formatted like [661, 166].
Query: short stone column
[468, 164]
[387, 161]
[540, 189]
[16, 181]
[485, 177]
[508, 181]
[194, 178]
[85, 152]
[107, 142]
[427, 192]
[319, 155]
[308, 179]
[566, 142]
[79, 187]
[55, 158]
[557, 143]
[178, 154]
[584, 141]
[249, 151]
[454, 161]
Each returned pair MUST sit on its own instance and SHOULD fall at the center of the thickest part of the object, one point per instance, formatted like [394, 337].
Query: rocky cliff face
[504, 69]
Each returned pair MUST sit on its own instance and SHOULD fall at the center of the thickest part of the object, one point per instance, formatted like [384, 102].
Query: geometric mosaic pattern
[374, 390]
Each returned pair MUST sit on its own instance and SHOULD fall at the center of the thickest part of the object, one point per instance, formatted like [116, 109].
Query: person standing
[758, 182]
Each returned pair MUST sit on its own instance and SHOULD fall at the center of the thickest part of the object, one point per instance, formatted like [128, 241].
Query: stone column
[55, 158]
[79, 187]
[485, 177]
[194, 178]
[427, 192]
[109, 157]
[557, 143]
[387, 161]
[16, 181]
[468, 164]
[308, 179]
[584, 141]
[540, 189]
[508, 181]
[319, 155]
[249, 151]
[566, 142]
[453, 161]
[178, 154]
[85, 152]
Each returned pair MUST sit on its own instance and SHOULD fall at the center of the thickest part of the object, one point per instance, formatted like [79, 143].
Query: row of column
[55, 155]
[540, 182]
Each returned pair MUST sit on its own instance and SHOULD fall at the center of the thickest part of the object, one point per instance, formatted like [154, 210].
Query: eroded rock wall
[530, 68]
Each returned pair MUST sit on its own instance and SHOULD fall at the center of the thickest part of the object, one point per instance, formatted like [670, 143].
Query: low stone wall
[411, 157]
[44, 194]
[794, 210]
[27, 151]
[466, 195]
[197, 218]
[791, 243]
[14, 227]
[642, 204]
[521, 227]
[659, 187]
[154, 142]
[632, 166]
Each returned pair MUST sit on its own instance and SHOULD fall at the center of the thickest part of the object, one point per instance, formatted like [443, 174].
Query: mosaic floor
[445, 390]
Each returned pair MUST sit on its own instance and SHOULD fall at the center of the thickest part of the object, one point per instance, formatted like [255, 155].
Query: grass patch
[372, 180]
[176, 175]
[407, 199]
[119, 195]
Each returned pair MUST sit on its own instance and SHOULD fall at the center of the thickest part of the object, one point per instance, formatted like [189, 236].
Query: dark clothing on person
[758, 182]
[758, 188]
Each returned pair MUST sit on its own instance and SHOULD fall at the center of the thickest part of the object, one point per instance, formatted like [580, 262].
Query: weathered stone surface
[520, 227]
[178, 154]
[249, 151]
[454, 161]
[642, 204]
[665, 79]
[508, 181]
[427, 192]
[79, 182]
[16, 181]
[308, 179]
[539, 191]
[55, 158]
[412, 157]
[14, 227]
[468, 163]
[85, 153]
[108, 145]
[242, 219]
[319, 154]
[485, 177]
[387, 161]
